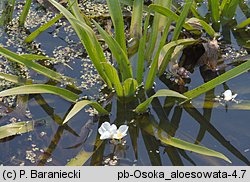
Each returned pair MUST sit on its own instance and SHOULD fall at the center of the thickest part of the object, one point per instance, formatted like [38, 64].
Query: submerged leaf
[175, 142]
[82, 157]
[15, 79]
[15, 129]
[178, 143]
[80, 105]
[160, 93]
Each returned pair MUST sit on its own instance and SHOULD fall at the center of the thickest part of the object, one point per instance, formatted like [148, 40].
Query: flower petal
[105, 135]
[118, 136]
[106, 126]
[101, 130]
[113, 129]
[123, 129]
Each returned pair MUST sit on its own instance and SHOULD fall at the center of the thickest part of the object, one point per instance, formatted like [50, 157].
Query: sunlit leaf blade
[158, 25]
[74, 6]
[114, 78]
[229, 9]
[121, 58]
[166, 52]
[31, 57]
[217, 81]
[129, 87]
[169, 13]
[242, 105]
[182, 19]
[42, 28]
[243, 24]
[32, 65]
[15, 79]
[25, 12]
[88, 39]
[80, 105]
[160, 93]
[136, 20]
[178, 143]
[210, 31]
[40, 89]
[15, 129]
[154, 65]
[82, 157]
[117, 19]
[141, 52]
[215, 5]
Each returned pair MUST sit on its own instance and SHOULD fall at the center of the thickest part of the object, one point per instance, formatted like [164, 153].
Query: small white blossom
[228, 95]
[121, 132]
[108, 131]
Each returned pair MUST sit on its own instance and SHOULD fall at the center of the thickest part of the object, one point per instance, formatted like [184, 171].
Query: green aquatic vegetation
[16, 129]
[25, 12]
[42, 28]
[7, 14]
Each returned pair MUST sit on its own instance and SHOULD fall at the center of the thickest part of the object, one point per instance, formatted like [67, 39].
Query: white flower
[108, 131]
[228, 95]
[121, 132]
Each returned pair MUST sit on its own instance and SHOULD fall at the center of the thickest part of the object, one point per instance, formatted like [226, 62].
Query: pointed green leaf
[42, 28]
[32, 65]
[129, 87]
[117, 19]
[25, 12]
[40, 89]
[15, 79]
[215, 10]
[136, 20]
[160, 93]
[32, 57]
[80, 105]
[243, 24]
[114, 78]
[15, 129]
[169, 13]
[175, 142]
[166, 52]
[88, 39]
[178, 143]
[82, 157]
[210, 31]
[121, 58]
[182, 19]
[217, 81]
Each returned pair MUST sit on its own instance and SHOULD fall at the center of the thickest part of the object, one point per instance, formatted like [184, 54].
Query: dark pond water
[219, 127]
